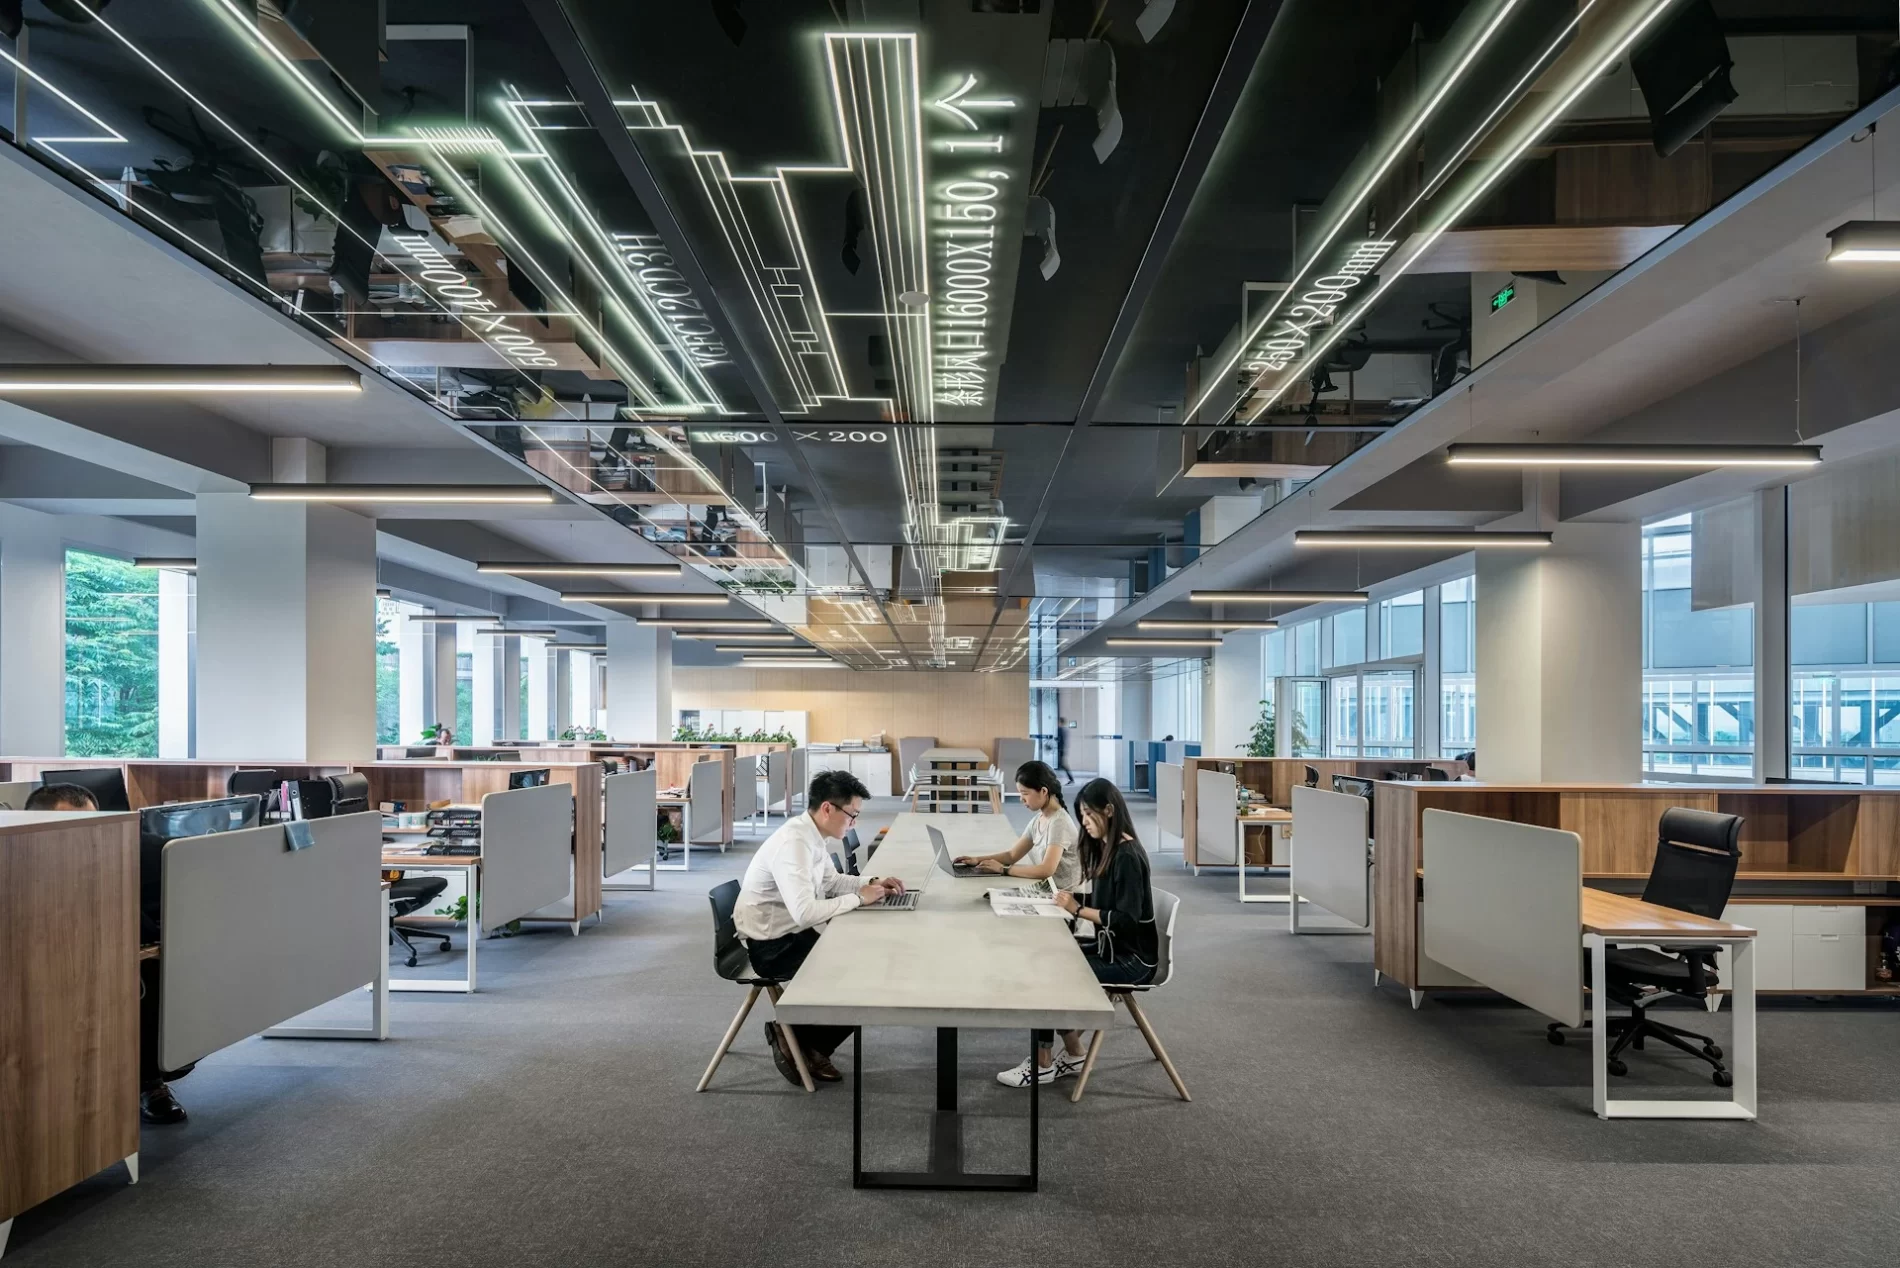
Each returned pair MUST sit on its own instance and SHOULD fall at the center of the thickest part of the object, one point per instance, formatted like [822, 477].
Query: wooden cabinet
[69, 1001]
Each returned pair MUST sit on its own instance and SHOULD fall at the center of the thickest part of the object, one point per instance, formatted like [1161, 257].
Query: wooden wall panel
[962, 710]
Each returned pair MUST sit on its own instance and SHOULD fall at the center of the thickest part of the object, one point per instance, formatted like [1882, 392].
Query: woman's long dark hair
[1101, 796]
[1038, 776]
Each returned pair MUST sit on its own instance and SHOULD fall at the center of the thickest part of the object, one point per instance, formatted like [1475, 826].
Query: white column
[1560, 658]
[442, 643]
[561, 692]
[176, 658]
[486, 690]
[415, 659]
[1427, 712]
[32, 637]
[540, 695]
[286, 631]
[639, 681]
[508, 684]
[1231, 701]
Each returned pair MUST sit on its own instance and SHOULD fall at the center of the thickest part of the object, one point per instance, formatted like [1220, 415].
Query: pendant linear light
[415, 494]
[747, 638]
[1164, 642]
[442, 618]
[177, 564]
[555, 569]
[577, 647]
[502, 631]
[80, 377]
[628, 596]
[1417, 539]
[767, 662]
[1695, 457]
[1167, 624]
[1277, 596]
[708, 622]
[1874, 241]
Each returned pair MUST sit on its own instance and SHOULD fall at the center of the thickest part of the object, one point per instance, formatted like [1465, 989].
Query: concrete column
[639, 681]
[1771, 635]
[1135, 707]
[177, 662]
[442, 647]
[286, 631]
[415, 653]
[508, 684]
[32, 637]
[1560, 658]
[561, 690]
[1231, 702]
[541, 696]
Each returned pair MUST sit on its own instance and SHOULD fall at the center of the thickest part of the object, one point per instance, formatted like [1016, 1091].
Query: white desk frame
[378, 1027]
[465, 985]
[1742, 1056]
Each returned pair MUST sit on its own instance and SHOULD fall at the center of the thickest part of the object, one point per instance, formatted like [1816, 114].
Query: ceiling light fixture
[440, 618]
[707, 622]
[518, 631]
[1416, 538]
[1865, 242]
[1206, 625]
[161, 561]
[1596, 455]
[755, 650]
[748, 638]
[627, 596]
[766, 662]
[1277, 596]
[458, 494]
[581, 570]
[1164, 642]
[578, 647]
[81, 377]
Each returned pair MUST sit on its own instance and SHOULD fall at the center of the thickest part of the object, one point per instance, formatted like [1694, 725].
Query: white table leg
[131, 1169]
[1599, 1028]
[378, 1027]
[1742, 1059]
[473, 934]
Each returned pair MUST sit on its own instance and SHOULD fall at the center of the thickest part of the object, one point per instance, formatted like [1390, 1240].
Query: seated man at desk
[790, 891]
[157, 1105]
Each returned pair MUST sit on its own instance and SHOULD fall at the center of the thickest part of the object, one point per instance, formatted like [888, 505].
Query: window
[464, 681]
[1699, 645]
[1387, 710]
[1402, 626]
[1457, 667]
[112, 657]
[1342, 715]
[388, 673]
[1305, 649]
[1349, 637]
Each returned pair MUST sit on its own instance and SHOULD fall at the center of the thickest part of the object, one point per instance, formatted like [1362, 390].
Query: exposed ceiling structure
[927, 327]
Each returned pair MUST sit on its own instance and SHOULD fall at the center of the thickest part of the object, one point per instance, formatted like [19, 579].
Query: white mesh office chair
[1167, 907]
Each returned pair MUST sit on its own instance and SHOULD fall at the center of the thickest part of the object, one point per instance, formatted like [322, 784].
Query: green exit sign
[1504, 297]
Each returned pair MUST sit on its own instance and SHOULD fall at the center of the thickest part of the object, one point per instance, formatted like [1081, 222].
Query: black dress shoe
[822, 1069]
[160, 1108]
[781, 1058]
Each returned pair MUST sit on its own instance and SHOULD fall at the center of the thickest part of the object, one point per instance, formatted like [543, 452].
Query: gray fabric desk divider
[745, 788]
[1329, 867]
[705, 819]
[1504, 907]
[527, 851]
[1168, 804]
[1215, 825]
[778, 782]
[797, 779]
[631, 822]
[254, 933]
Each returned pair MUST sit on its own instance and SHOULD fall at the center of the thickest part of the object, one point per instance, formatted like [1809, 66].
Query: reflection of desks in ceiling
[1536, 248]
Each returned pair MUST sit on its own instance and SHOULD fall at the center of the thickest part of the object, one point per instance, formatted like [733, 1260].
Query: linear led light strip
[1349, 212]
[1601, 455]
[1480, 188]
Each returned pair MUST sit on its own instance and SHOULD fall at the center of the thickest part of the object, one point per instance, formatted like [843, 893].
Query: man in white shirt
[790, 890]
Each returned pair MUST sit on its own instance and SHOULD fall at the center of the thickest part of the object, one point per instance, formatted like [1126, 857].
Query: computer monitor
[105, 783]
[159, 824]
[529, 778]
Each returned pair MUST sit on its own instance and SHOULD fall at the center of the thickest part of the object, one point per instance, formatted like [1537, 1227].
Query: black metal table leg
[946, 1131]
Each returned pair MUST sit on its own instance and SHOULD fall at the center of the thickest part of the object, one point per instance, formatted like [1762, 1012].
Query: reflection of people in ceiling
[629, 461]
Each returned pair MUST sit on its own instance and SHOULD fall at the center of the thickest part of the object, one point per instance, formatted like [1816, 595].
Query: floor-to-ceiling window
[388, 672]
[1457, 667]
[1844, 715]
[1698, 643]
[112, 657]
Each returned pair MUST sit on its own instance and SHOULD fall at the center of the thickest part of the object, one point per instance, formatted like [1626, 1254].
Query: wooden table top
[1266, 814]
[398, 862]
[1619, 915]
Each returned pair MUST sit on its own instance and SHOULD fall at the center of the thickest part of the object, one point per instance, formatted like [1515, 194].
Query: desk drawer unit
[1804, 946]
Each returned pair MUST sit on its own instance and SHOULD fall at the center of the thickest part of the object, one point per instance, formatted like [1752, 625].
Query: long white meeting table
[951, 964]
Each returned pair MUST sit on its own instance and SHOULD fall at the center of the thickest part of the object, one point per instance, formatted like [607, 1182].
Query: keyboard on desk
[906, 901]
[455, 848]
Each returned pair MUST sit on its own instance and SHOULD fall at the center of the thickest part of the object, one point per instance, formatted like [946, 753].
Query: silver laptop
[942, 849]
[906, 901]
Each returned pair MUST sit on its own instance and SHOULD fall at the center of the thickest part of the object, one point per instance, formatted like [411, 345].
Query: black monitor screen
[198, 818]
[105, 783]
[527, 778]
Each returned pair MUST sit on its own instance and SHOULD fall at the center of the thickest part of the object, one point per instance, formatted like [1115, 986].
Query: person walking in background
[1062, 751]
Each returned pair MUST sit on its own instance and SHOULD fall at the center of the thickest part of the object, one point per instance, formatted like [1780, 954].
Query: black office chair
[349, 793]
[266, 784]
[407, 895]
[1437, 775]
[1353, 786]
[1697, 853]
[854, 852]
[731, 962]
[1312, 777]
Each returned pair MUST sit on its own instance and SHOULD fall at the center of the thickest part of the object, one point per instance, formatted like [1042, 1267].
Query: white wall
[32, 635]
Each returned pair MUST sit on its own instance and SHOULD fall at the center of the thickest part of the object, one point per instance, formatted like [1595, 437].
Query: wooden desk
[1609, 919]
[949, 964]
[69, 1002]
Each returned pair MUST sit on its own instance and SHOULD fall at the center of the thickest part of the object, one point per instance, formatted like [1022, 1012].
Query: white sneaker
[1067, 1067]
[1019, 1076]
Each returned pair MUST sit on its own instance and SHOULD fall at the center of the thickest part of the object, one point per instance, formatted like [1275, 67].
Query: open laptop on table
[906, 901]
[944, 862]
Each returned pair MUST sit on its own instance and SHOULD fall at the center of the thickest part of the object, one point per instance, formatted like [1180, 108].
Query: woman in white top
[1047, 851]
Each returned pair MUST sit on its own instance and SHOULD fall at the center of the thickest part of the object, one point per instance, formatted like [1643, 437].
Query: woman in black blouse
[1120, 904]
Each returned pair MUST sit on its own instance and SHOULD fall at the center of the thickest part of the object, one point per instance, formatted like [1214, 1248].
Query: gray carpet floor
[551, 1119]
